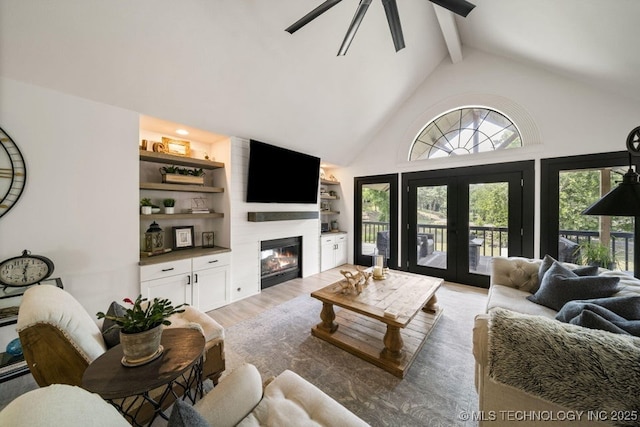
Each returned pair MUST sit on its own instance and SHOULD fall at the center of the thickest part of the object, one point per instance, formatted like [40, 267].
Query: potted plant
[146, 206]
[169, 205]
[141, 328]
[595, 253]
[176, 175]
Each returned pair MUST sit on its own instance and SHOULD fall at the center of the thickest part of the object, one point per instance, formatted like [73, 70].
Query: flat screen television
[278, 175]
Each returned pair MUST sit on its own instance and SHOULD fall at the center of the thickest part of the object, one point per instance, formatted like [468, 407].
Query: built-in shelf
[281, 216]
[152, 156]
[180, 187]
[329, 182]
[181, 254]
[327, 197]
[182, 216]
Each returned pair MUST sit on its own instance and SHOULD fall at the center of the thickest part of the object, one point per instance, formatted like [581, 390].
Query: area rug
[438, 390]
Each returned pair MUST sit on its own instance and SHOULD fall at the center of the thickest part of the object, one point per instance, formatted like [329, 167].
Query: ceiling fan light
[459, 7]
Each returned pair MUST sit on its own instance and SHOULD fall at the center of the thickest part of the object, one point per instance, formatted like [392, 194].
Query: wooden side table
[142, 393]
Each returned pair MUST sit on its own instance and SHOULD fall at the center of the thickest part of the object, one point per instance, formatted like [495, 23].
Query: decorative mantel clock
[25, 270]
[13, 173]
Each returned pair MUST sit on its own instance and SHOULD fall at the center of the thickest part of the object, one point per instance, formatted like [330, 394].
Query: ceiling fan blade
[328, 4]
[459, 7]
[391, 9]
[353, 27]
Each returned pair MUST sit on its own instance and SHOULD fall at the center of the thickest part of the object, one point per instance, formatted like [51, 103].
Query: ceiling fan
[459, 7]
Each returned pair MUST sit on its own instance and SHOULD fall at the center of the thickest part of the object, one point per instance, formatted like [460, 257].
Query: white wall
[246, 236]
[78, 204]
[566, 117]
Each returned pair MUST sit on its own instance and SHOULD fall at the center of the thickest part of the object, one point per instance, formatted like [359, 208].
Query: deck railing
[496, 238]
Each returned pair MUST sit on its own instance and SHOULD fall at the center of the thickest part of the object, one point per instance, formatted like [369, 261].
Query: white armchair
[60, 339]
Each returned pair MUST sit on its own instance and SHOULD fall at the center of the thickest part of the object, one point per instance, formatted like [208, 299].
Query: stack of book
[199, 210]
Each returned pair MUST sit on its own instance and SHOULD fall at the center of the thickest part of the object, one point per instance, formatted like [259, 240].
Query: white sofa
[239, 399]
[512, 280]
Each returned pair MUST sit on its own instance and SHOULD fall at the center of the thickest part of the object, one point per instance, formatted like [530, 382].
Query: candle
[377, 271]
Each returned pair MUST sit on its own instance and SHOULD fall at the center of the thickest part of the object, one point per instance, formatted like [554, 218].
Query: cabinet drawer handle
[188, 279]
[167, 269]
[211, 262]
[196, 278]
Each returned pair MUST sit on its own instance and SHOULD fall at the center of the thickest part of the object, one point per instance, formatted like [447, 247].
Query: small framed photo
[183, 237]
[176, 147]
[207, 239]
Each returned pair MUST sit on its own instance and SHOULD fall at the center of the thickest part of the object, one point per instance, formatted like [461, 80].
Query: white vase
[169, 209]
[146, 210]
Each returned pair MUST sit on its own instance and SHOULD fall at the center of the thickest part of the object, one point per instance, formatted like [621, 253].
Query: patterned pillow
[561, 285]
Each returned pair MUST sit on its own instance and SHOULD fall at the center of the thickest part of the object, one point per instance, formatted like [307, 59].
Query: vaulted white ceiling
[228, 66]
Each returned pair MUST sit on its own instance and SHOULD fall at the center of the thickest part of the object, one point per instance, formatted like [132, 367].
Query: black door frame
[358, 182]
[465, 176]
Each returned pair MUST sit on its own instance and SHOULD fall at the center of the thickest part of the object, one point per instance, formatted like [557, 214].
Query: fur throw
[578, 368]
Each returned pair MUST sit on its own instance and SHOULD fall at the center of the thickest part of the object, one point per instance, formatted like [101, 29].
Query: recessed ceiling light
[182, 132]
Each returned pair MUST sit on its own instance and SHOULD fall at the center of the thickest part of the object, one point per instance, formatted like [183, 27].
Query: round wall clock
[25, 269]
[13, 173]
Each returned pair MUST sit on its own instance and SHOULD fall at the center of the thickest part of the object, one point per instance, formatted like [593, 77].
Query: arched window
[465, 130]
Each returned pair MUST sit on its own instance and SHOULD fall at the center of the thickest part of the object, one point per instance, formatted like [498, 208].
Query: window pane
[465, 131]
[432, 226]
[488, 224]
[587, 239]
[375, 219]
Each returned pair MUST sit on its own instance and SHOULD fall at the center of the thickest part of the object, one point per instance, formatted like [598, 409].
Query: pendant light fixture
[624, 200]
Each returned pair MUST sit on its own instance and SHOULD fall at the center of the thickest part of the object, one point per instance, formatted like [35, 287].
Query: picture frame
[183, 237]
[176, 147]
[207, 239]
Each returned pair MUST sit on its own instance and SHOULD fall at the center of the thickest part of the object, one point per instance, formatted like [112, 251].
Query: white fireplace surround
[246, 235]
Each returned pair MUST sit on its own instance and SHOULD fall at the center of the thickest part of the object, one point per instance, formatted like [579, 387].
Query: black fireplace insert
[280, 260]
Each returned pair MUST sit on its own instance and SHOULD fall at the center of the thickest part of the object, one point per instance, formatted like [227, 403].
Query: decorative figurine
[354, 283]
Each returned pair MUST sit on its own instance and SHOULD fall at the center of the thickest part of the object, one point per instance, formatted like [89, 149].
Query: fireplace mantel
[281, 216]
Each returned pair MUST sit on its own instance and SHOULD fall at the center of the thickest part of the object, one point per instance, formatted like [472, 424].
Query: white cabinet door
[211, 281]
[174, 288]
[170, 280]
[341, 250]
[211, 287]
[327, 253]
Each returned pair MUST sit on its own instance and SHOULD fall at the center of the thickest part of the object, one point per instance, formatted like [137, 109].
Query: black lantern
[154, 239]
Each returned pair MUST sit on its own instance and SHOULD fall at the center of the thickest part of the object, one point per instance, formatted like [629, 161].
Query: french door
[376, 219]
[457, 220]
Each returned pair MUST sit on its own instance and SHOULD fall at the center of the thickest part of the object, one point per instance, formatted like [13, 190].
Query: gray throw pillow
[112, 336]
[184, 415]
[560, 285]
[547, 262]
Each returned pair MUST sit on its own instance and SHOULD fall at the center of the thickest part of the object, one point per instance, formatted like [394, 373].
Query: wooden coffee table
[141, 393]
[369, 324]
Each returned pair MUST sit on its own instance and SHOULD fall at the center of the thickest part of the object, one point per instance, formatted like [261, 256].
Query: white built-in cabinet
[333, 250]
[202, 282]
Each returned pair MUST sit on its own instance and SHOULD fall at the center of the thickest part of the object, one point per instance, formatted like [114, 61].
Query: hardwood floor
[275, 295]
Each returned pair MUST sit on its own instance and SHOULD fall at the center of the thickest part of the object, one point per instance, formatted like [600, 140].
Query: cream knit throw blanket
[581, 369]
